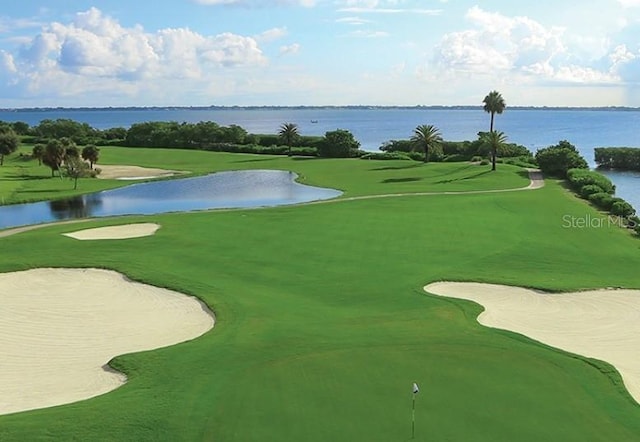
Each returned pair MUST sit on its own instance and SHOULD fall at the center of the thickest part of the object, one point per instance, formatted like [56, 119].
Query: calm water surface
[239, 189]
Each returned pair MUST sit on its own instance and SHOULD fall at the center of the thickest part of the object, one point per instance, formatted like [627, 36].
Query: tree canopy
[558, 159]
[8, 142]
[289, 134]
[494, 104]
[339, 143]
[495, 140]
[426, 137]
[91, 153]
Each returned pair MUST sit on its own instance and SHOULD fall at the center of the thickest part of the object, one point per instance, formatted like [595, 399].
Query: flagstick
[413, 418]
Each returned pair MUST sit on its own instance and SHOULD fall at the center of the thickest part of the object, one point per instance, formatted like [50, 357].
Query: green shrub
[581, 177]
[559, 159]
[590, 189]
[455, 158]
[339, 143]
[476, 159]
[485, 162]
[386, 156]
[416, 156]
[602, 200]
[622, 208]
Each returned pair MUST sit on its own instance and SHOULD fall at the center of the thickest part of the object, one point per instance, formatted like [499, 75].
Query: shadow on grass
[401, 180]
[15, 176]
[254, 160]
[40, 191]
[463, 178]
[304, 158]
[411, 166]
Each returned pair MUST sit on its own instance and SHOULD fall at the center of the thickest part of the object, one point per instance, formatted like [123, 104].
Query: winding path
[535, 177]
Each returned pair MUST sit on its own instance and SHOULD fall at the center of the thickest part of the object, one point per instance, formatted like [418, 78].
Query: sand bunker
[600, 324]
[59, 327]
[119, 172]
[115, 232]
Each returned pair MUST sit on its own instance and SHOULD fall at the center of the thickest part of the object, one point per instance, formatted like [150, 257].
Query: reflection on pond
[76, 207]
[239, 189]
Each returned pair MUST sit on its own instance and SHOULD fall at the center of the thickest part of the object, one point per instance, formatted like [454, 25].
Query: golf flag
[415, 388]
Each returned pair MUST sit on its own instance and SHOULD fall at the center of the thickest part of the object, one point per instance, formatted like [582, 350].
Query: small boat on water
[314, 121]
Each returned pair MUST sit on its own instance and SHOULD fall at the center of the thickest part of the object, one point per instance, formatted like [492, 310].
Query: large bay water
[533, 128]
[238, 189]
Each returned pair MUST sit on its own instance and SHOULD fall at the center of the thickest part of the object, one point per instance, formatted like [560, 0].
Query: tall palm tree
[494, 104]
[289, 134]
[426, 136]
[495, 141]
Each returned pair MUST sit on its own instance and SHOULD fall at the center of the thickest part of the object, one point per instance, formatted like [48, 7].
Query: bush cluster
[599, 190]
[557, 160]
[579, 178]
[477, 150]
[621, 158]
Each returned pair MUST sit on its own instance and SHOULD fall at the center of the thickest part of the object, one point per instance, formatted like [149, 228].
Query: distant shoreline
[355, 107]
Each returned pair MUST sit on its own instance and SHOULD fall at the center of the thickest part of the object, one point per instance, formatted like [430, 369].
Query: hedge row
[599, 190]
[582, 177]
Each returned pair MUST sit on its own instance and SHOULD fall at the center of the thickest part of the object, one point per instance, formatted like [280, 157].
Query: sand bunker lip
[126, 231]
[60, 327]
[600, 324]
[123, 172]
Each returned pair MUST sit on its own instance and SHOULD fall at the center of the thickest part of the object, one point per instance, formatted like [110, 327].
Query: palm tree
[426, 136]
[493, 104]
[91, 153]
[38, 153]
[289, 134]
[495, 140]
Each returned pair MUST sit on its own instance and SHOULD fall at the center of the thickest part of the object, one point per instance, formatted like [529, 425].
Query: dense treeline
[205, 135]
[460, 151]
[621, 158]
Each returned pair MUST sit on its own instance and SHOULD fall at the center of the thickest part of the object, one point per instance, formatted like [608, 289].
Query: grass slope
[323, 324]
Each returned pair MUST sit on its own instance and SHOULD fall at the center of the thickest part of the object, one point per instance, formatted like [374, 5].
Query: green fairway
[322, 322]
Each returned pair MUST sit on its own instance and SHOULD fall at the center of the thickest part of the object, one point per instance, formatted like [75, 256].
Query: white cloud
[629, 3]
[95, 53]
[360, 10]
[523, 48]
[369, 34]
[290, 49]
[355, 21]
[271, 35]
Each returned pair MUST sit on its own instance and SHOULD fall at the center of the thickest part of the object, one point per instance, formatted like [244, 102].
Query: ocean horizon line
[277, 107]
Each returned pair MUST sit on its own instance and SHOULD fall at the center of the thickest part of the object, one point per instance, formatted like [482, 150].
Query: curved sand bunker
[599, 324]
[126, 231]
[119, 172]
[59, 327]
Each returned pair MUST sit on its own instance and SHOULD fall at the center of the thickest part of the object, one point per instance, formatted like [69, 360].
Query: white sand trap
[115, 232]
[59, 327]
[599, 324]
[120, 172]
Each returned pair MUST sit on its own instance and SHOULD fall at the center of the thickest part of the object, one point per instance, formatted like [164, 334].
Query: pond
[222, 190]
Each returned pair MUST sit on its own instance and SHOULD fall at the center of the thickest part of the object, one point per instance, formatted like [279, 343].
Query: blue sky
[319, 52]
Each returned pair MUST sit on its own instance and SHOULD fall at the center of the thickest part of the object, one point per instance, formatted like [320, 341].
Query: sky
[318, 52]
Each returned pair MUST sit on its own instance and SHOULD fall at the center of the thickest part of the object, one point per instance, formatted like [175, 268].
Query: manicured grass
[22, 180]
[322, 323]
